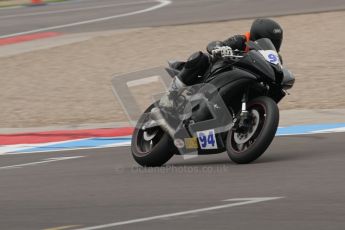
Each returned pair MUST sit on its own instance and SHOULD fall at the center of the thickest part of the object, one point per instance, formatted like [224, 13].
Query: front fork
[243, 119]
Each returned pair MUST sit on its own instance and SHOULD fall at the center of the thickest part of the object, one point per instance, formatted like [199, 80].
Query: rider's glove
[223, 51]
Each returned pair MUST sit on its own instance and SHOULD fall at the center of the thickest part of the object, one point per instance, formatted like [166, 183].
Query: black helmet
[267, 28]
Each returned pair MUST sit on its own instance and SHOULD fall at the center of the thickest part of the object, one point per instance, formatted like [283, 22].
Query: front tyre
[246, 145]
[151, 147]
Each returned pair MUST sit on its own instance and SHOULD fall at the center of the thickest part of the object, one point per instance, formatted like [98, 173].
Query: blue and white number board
[207, 139]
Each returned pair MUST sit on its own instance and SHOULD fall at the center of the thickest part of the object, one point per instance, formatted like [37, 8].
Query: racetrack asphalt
[106, 186]
[86, 15]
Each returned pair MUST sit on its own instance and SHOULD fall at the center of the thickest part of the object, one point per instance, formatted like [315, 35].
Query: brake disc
[241, 138]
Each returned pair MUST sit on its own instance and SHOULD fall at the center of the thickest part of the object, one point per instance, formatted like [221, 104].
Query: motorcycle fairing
[256, 63]
[288, 79]
[207, 116]
[226, 77]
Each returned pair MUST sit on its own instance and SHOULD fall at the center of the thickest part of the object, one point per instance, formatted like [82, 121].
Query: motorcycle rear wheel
[246, 146]
[151, 147]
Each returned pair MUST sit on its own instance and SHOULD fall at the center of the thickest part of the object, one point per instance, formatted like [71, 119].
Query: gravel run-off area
[71, 84]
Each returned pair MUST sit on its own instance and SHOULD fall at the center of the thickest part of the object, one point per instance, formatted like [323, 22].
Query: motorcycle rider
[198, 63]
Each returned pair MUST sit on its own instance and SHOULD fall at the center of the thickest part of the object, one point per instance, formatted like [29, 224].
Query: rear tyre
[151, 147]
[245, 146]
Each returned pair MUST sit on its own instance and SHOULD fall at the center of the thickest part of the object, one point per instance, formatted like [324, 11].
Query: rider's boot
[194, 68]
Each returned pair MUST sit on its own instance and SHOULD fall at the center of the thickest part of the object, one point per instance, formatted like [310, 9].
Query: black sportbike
[233, 109]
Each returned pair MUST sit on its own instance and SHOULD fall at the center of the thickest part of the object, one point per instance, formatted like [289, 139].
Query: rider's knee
[196, 66]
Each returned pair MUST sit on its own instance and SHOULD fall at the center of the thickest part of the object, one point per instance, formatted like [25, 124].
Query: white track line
[241, 201]
[124, 144]
[40, 162]
[162, 3]
[335, 130]
[20, 148]
[75, 9]
[11, 149]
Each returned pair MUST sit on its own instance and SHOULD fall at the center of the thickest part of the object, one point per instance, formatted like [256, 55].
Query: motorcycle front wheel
[246, 145]
[151, 146]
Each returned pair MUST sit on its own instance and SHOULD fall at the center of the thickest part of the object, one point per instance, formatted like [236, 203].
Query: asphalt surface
[106, 186]
[90, 15]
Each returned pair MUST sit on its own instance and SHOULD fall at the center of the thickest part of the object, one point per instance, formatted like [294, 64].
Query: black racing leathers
[237, 42]
[198, 60]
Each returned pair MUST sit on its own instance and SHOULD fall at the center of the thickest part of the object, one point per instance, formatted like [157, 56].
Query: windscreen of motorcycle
[267, 50]
[271, 56]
